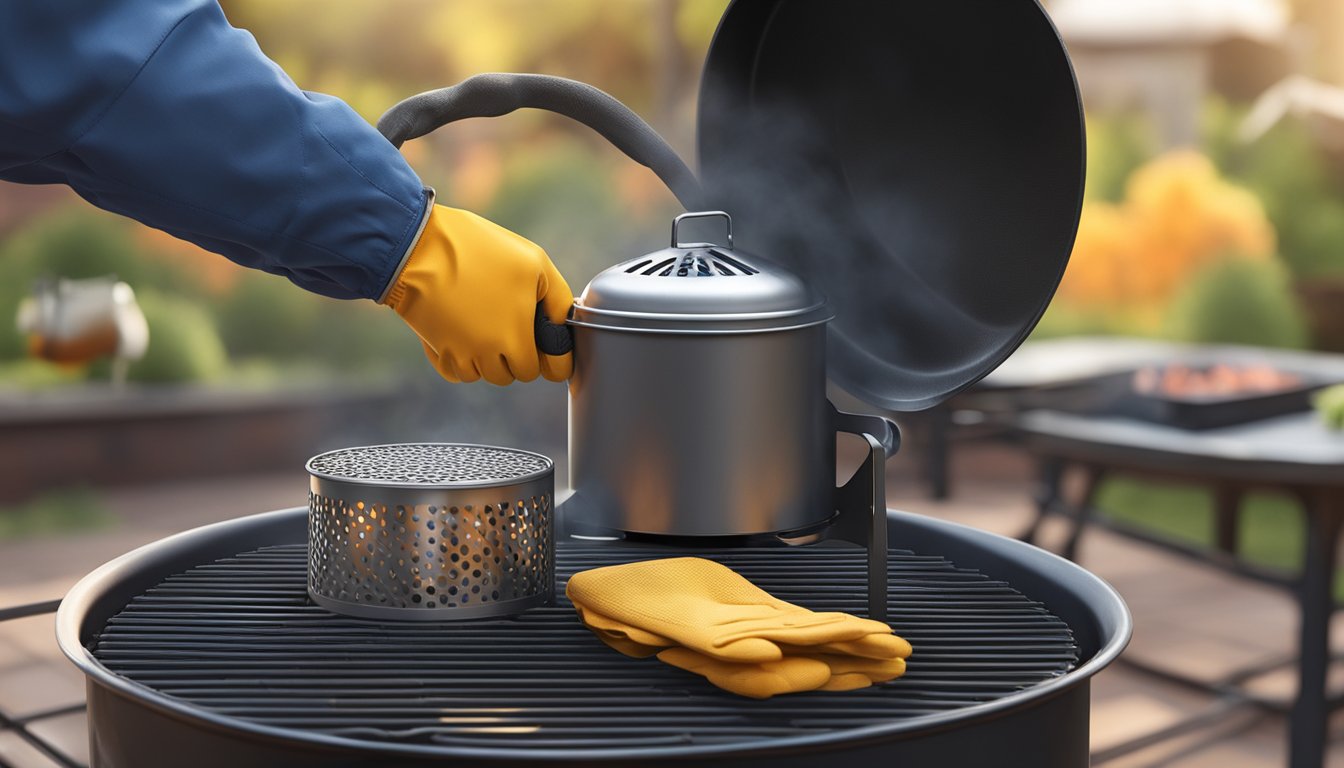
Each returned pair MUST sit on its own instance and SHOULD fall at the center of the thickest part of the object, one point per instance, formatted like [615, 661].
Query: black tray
[1114, 395]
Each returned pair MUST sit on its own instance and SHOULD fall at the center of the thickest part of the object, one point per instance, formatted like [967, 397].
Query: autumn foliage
[1178, 217]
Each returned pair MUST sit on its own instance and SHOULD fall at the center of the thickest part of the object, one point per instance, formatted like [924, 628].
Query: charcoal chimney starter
[430, 531]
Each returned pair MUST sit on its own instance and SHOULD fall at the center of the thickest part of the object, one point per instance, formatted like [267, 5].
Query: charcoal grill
[206, 644]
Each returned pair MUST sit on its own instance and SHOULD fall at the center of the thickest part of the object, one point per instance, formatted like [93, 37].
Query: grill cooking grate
[240, 637]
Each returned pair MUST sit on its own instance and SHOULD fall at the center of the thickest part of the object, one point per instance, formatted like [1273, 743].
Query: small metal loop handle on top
[676, 224]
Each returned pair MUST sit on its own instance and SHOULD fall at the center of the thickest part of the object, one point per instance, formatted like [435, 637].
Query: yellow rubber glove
[851, 674]
[470, 291]
[792, 674]
[759, 680]
[769, 678]
[633, 641]
[704, 606]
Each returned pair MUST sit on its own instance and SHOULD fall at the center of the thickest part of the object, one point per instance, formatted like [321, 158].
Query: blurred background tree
[549, 179]
[1175, 189]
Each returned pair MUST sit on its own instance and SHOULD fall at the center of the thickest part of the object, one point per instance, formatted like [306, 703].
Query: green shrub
[57, 511]
[183, 343]
[363, 338]
[1239, 301]
[1116, 145]
[268, 316]
[1329, 403]
[1286, 170]
[562, 196]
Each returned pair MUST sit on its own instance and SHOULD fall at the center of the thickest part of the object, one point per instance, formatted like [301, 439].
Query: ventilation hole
[658, 266]
[734, 263]
[636, 267]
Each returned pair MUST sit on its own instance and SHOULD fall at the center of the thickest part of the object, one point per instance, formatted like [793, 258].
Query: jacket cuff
[394, 291]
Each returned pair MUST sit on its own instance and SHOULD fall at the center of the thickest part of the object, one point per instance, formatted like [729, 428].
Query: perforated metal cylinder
[430, 531]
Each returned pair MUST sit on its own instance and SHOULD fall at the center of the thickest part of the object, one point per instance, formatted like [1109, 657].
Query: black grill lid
[921, 163]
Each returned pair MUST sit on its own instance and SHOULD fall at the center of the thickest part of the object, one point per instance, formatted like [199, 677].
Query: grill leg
[1315, 592]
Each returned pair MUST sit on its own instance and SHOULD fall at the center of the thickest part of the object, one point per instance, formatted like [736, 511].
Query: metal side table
[1295, 454]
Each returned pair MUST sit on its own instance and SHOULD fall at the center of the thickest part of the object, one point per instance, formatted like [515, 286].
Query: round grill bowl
[430, 531]
[133, 722]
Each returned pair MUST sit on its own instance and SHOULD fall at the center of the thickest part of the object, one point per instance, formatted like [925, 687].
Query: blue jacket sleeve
[162, 111]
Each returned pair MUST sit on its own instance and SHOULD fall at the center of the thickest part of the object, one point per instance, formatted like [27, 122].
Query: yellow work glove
[791, 674]
[470, 290]
[759, 680]
[797, 671]
[636, 642]
[704, 606]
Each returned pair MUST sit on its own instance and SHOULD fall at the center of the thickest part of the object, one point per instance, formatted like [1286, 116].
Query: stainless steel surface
[698, 288]
[676, 225]
[430, 531]
[698, 403]
[700, 435]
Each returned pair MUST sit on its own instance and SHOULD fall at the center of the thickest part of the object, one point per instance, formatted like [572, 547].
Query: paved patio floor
[1187, 617]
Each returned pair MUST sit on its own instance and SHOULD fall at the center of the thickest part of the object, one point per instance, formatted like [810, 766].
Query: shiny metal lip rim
[548, 471]
[731, 324]
[677, 317]
[416, 495]
[445, 614]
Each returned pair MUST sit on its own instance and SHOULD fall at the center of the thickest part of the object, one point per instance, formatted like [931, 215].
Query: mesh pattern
[429, 464]
[430, 557]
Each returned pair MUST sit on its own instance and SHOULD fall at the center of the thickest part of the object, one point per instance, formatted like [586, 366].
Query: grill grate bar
[240, 637]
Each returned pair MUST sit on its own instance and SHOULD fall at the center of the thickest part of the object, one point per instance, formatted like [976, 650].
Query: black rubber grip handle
[553, 338]
[495, 94]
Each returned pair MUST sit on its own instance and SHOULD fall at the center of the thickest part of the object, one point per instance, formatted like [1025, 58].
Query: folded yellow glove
[636, 642]
[470, 290]
[792, 674]
[708, 608]
[797, 671]
[760, 680]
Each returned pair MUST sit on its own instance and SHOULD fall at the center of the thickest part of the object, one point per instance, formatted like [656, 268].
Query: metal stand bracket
[861, 518]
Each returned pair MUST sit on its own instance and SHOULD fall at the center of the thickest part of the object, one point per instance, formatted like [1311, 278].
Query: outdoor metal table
[993, 402]
[1296, 454]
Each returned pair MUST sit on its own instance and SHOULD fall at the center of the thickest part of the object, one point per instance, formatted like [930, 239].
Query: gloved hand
[710, 609]
[470, 291]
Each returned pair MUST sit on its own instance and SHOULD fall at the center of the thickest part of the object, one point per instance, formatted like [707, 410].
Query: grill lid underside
[239, 637]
